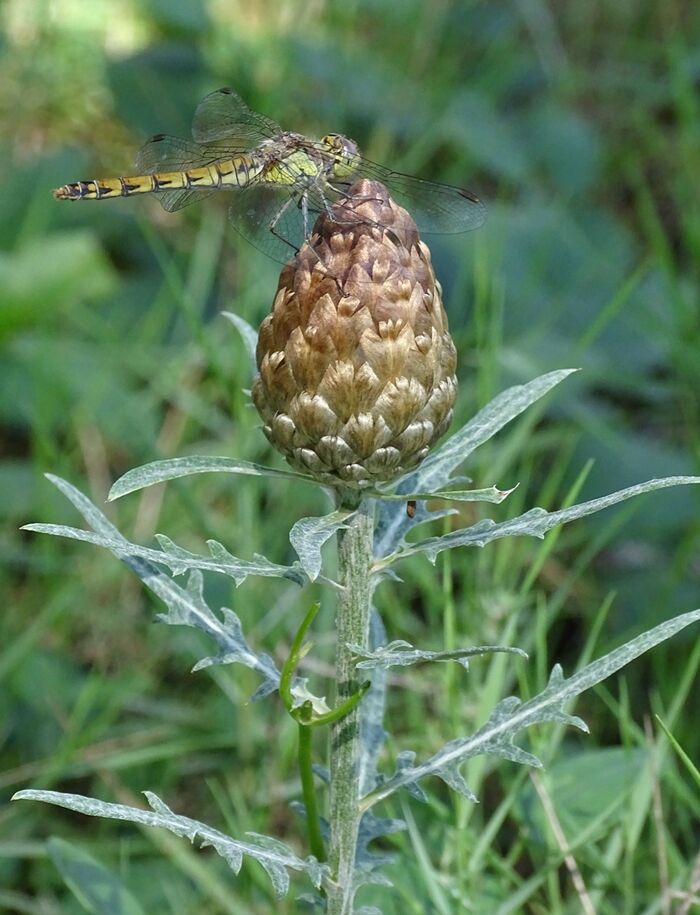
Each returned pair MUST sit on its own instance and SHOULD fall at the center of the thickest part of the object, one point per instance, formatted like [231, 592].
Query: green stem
[306, 772]
[313, 821]
[352, 627]
[295, 654]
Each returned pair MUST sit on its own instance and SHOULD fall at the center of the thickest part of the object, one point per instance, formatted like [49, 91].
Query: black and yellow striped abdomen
[236, 172]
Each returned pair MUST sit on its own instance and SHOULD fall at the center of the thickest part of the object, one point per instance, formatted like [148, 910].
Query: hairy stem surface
[352, 627]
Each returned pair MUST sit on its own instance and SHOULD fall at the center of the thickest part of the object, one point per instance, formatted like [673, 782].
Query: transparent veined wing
[278, 219]
[437, 208]
[275, 219]
[163, 153]
[223, 115]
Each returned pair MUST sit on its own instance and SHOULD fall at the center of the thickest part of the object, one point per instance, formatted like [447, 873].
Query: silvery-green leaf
[393, 523]
[177, 558]
[534, 523]
[173, 468]
[372, 736]
[372, 707]
[275, 857]
[265, 688]
[186, 606]
[249, 336]
[312, 902]
[94, 517]
[367, 861]
[322, 772]
[435, 470]
[302, 694]
[511, 716]
[404, 769]
[453, 778]
[308, 536]
[401, 654]
[491, 494]
[233, 647]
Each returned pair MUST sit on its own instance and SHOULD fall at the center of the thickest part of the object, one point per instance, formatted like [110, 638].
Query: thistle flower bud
[356, 364]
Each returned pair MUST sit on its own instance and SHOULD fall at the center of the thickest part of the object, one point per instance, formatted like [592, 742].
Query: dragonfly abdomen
[235, 172]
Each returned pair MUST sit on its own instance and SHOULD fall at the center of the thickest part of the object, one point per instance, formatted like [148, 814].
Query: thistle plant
[356, 381]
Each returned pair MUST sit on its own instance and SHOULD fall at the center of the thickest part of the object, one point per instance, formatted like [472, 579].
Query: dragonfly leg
[342, 191]
[303, 204]
[272, 226]
[354, 218]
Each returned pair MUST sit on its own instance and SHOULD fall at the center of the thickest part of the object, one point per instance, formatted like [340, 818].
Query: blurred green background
[578, 124]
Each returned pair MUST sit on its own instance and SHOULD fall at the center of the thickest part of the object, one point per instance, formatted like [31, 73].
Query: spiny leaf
[173, 468]
[186, 606]
[173, 556]
[402, 654]
[393, 523]
[233, 647]
[491, 494]
[534, 523]
[177, 558]
[367, 862]
[434, 473]
[404, 767]
[510, 717]
[274, 856]
[225, 563]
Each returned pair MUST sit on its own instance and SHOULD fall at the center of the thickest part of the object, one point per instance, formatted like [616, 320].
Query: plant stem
[313, 822]
[295, 655]
[352, 627]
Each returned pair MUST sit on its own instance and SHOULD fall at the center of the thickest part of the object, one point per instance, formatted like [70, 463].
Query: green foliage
[586, 790]
[93, 885]
[510, 717]
[494, 738]
[74, 269]
[578, 126]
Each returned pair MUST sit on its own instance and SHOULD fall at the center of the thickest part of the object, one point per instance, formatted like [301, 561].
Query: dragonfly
[282, 181]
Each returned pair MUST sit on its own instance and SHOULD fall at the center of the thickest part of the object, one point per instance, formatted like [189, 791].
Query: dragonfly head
[344, 153]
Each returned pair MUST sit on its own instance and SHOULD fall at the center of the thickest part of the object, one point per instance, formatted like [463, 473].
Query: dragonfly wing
[272, 220]
[176, 200]
[223, 115]
[163, 153]
[438, 208]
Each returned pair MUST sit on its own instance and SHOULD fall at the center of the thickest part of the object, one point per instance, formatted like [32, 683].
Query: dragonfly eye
[334, 140]
[341, 144]
[345, 153]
